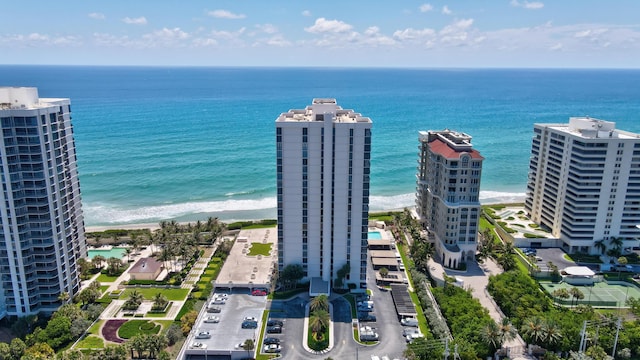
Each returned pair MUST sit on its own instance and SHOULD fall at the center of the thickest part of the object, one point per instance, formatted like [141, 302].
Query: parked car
[214, 309]
[249, 324]
[203, 335]
[259, 292]
[272, 348]
[198, 345]
[367, 333]
[366, 317]
[365, 309]
[212, 319]
[221, 295]
[409, 322]
[274, 329]
[273, 322]
[271, 341]
[250, 318]
[218, 301]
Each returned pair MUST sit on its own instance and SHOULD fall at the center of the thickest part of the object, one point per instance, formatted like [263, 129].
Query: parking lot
[555, 255]
[227, 333]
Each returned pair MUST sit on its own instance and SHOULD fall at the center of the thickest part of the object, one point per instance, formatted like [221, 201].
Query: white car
[203, 335]
[250, 318]
[198, 345]
[409, 322]
[273, 348]
[219, 301]
[212, 319]
[221, 295]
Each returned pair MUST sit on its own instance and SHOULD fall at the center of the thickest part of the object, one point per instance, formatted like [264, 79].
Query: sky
[346, 33]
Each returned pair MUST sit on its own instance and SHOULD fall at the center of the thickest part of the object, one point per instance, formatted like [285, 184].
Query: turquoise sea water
[187, 143]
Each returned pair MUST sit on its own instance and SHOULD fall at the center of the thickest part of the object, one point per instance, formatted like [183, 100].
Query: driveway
[556, 256]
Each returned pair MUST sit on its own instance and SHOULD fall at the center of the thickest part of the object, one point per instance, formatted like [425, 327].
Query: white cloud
[556, 47]
[225, 14]
[425, 8]
[446, 11]
[37, 37]
[204, 42]
[413, 34]
[267, 28]
[323, 25]
[135, 21]
[96, 15]
[306, 13]
[276, 40]
[534, 5]
[166, 37]
[457, 33]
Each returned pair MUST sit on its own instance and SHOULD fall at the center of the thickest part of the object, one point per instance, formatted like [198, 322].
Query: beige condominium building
[448, 189]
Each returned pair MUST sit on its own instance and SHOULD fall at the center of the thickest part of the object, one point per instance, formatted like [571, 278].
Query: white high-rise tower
[323, 163]
[584, 183]
[41, 224]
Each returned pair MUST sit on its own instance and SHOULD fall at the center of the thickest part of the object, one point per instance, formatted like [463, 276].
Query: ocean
[185, 143]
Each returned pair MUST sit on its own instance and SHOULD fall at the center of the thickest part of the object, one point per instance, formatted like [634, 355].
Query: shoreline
[156, 225]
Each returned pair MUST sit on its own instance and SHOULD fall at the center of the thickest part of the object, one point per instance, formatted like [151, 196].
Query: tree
[505, 256]
[17, 348]
[133, 301]
[39, 351]
[600, 245]
[98, 260]
[576, 295]
[551, 333]
[159, 301]
[291, 274]
[634, 304]
[70, 311]
[57, 333]
[491, 336]
[128, 251]
[174, 334]
[79, 326]
[318, 322]
[533, 330]
[507, 331]
[139, 345]
[88, 295]
[616, 244]
[622, 261]
[93, 311]
[71, 354]
[24, 325]
[561, 293]
[187, 321]
[117, 352]
[384, 272]
[249, 345]
[114, 266]
[320, 302]
[63, 297]
[342, 274]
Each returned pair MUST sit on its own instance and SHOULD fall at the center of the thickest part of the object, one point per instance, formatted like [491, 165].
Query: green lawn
[96, 327]
[259, 249]
[583, 258]
[104, 278]
[90, 342]
[149, 293]
[136, 327]
[103, 288]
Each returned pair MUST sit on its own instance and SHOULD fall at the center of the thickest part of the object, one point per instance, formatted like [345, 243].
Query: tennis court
[600, 294]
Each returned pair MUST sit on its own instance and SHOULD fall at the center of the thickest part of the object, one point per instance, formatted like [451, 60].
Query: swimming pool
[375, 235]
[115, 252]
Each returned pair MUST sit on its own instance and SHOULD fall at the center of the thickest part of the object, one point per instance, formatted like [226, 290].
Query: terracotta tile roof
[440, 147]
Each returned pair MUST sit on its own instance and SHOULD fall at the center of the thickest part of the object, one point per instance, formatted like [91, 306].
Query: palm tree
[533, 329]
[600, 245]
[384, 272]
[551, 333]
[159, 301]
[128, 251]
[98, 260]
[507, 331]
[63, 297]
[491, 335]
[318, 322]
[133, 301]
[561, 293]
[320, 302]
[576, 295]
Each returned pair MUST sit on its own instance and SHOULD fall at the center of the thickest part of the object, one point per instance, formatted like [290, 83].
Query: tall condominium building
[323, 162]
[448, 186]
[584, 183]
[41, 223]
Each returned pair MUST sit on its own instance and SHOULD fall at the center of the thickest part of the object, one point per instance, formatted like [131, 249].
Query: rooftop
[146, 265]
[20, 98]
[591, 128]
[445, 150]
[320, 110]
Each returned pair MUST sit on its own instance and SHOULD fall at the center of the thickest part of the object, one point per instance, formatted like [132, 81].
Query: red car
[259, 292]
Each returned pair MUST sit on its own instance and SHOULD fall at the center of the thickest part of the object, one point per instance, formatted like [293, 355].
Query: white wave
[100, 214]
[495, 197]
[380, 203]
